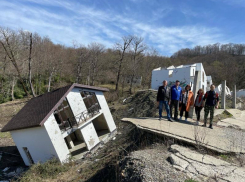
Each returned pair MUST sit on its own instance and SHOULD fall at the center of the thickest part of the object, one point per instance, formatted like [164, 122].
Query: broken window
[28, 155]
[91, 101]
[64, 116]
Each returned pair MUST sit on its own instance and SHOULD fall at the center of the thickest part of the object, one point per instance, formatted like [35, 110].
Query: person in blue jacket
[176, 94]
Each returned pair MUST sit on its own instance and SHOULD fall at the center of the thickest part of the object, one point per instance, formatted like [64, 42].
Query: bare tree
[138, 47]
[95, 50]
[29, 66]
[10, 52]
[122, 49]
[82, 59]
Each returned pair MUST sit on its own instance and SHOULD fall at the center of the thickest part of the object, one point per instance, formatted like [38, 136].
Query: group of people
[183, 100]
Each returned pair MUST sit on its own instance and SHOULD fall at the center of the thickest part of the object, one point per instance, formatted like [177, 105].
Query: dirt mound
[142, 104]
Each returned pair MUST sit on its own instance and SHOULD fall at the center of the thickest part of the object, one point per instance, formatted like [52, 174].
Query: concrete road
[220, 139]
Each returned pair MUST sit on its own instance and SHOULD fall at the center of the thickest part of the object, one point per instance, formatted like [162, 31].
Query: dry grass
[5, 135]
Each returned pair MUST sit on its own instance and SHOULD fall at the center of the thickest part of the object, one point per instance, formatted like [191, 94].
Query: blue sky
[166, 25]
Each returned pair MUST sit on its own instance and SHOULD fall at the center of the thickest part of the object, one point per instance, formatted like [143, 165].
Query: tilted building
[69, 121]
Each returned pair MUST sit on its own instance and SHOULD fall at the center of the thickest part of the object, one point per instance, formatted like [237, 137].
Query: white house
[218, 89]
[69, 121]
[184, 73]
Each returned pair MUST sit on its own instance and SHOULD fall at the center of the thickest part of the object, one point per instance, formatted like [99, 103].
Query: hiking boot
[170, 120]
[160, 118]
[211, 126]
[204, 125]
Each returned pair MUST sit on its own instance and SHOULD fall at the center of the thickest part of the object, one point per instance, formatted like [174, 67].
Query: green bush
[190, 180]
[18, 93]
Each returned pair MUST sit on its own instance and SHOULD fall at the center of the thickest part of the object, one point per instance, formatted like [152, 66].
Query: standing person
[175, 99]
[186, 102]
[212, 101]
[164, 98]
[199, 104]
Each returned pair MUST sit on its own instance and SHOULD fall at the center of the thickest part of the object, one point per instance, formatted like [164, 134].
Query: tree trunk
[118, 74]
[49, 81]
[32, 89]
[12, 89]
[131, 84]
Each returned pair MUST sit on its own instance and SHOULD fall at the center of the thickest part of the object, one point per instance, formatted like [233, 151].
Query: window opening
[90, 101]
[28, 155]
[64, 116]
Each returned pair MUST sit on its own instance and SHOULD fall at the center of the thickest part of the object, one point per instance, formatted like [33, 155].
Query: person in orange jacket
[186, 102]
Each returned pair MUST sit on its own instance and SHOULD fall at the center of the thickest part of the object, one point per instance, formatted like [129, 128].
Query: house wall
[105, 109]
[38, 143]
[76, 102]
[184, 74]
[181, 74]
[56, 138]
[89, 135]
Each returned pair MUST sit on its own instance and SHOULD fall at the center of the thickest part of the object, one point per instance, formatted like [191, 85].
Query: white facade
[184, 73]
[218, 89]
[49, 140]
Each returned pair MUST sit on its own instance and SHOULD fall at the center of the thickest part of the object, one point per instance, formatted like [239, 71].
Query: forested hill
[221, 61]
[32, 65]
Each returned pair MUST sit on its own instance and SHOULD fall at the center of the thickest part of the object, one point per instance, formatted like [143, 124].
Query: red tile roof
[38, 109]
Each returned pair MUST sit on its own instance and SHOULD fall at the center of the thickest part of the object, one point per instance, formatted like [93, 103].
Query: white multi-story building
[184, 73]
[69, 121]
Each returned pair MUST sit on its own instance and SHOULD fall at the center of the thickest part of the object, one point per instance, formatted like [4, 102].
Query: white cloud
[88, 24]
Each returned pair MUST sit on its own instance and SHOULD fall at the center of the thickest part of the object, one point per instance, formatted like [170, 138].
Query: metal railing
[91, 112]
[82, 118]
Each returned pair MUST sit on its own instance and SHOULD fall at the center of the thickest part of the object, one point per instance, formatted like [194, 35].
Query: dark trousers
[175, 104]
[198, 111]
[206, 111]
[183, 108]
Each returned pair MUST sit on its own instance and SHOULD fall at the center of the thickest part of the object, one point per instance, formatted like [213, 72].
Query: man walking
[164, 98]
[212, 101]
[176, 94]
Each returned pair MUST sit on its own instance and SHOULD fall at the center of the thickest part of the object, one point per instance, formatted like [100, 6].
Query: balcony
[76, 121]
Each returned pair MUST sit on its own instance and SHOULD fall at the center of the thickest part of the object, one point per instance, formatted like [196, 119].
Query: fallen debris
[204, 167]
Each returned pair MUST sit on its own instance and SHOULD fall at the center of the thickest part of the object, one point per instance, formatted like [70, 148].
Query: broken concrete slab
[237, 121]
[204, 167]
[222, 140]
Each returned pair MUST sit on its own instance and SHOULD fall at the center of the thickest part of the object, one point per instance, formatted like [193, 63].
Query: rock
[5, 169]
[11, 174]
[170, 160]
[19, 170]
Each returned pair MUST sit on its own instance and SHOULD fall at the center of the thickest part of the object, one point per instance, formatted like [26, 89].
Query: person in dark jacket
[212, 101]
[199, 104]
[164, 98]
[176, 94]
